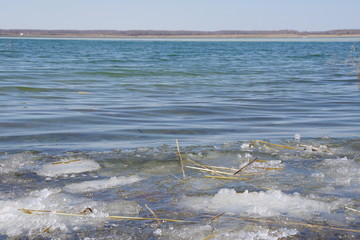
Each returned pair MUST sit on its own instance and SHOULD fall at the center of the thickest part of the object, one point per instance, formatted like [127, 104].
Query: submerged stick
[180, 157]
[153, 213]
[252, 161]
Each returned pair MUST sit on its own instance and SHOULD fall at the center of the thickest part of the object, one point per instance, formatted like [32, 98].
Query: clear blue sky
[180, 14]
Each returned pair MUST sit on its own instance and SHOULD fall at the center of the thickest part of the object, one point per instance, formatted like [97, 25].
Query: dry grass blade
[211, 167]
[229, 178]
[143, 218]
[43, 231]
[180, 157]
[209, 170]
[268, 168]
[249, 163]
[153, 213]
[211, 236]
[66, 162]
[217, 216]
[69, 214]
[30, 211]
[272, 144]
[352, 209]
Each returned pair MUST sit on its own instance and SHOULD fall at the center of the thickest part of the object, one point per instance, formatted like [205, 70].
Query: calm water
[122, 103]
[99, 94]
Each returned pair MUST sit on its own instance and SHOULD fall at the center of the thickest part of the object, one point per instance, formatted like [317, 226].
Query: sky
[203, 15]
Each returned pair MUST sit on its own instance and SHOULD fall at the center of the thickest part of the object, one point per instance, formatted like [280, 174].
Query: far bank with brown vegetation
[178, 34]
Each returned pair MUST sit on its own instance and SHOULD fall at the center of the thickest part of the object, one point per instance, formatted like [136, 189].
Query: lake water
[107, 112]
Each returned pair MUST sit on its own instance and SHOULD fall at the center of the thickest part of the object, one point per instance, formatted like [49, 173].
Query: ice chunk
[16, 162]
[245, 146]
[67, 167]
[297, 136]
[96, 185]
[340, 171]
[265, 204]
[15, 222]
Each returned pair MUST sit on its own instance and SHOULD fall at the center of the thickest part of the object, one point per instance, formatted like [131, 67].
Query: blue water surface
[99, 94]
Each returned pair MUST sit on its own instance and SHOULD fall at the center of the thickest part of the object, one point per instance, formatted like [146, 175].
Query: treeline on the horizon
[134, 33]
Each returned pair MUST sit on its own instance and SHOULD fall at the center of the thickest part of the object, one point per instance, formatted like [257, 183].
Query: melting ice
[260, 204]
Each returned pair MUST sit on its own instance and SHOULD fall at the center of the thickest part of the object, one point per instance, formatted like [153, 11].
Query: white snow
[96, 185]
[68, 167]
[264, 204]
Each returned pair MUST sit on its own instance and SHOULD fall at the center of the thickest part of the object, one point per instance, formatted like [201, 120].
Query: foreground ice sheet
[68, 167]
[96, 185]
[202, 232]
[14, 222]
[263, 204]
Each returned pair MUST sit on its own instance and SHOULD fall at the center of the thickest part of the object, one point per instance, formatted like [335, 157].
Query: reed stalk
[180, 157]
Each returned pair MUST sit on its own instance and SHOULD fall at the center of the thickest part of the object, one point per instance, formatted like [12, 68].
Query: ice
[245, 146]
[297, 136]
[202, 232]
[263, 204]
[96, 185]
[14, 222]
[68, 167]
[340, 171]
[16, 162]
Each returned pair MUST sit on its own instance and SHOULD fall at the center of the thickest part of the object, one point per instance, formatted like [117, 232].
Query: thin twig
[153, 213]
[217, 216]
[252, 161]
[180, 157]
[43, 231]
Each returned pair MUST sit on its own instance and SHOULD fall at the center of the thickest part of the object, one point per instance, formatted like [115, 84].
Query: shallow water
[90, 123]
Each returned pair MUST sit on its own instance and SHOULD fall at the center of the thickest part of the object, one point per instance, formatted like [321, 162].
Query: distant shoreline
[177, 34]
[188, 36]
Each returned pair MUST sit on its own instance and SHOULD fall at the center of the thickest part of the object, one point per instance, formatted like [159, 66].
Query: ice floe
[18, 217]
[68, 167]
[263, 204]
[95, 185]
